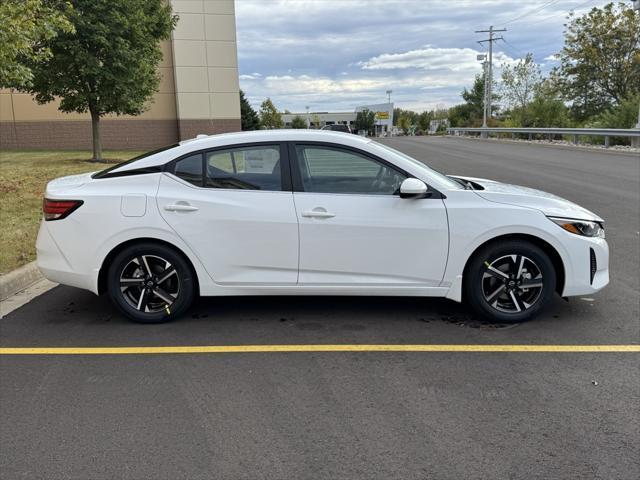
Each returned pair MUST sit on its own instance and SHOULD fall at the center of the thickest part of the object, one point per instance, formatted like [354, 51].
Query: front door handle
[180, 207]
[318, 213]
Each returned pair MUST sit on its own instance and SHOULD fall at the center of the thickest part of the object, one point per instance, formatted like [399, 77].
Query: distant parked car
[338, 127]
[304, 212]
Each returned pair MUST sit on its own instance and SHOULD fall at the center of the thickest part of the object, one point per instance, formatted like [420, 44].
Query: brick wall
[116, 134]
[191, 128]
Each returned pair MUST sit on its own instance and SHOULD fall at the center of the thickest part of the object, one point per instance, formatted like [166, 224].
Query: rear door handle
[180, 207]
[318, 214]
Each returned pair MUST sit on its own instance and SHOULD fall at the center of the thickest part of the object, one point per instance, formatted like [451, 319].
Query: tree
[270, 117]
[600, 61]
[27, 27]
[471, 113]
[365, 120]
[109, 66]
[546, 109]
[623, 115]
[399, 112]
[461, 116]
[520, 81]
[248, 117]
[298, 122]
[424, 120]
[404, 122]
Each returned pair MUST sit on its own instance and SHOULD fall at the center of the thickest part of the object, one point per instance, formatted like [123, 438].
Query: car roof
[204, 142]
[280, 135]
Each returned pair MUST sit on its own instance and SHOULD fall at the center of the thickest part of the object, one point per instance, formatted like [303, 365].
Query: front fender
[470, 229]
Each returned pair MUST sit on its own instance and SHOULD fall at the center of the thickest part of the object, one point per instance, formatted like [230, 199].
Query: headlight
[580, 227]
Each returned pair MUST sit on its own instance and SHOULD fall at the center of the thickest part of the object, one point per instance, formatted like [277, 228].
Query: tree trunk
[95, 129]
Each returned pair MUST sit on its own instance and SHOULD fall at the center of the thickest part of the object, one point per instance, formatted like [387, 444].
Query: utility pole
[483, 58]
[635, 141]
[488, 88]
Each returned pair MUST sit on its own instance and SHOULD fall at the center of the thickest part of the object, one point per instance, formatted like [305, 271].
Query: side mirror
[414, 188]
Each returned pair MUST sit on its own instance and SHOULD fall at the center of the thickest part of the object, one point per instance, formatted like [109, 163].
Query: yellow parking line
[314, 348]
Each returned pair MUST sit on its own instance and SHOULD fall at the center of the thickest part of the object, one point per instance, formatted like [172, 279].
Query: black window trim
[296, 175]
[285, 169]
[109, 172]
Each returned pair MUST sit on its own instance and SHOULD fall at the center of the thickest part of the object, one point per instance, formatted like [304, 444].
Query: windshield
[443, 179]
[103, 173]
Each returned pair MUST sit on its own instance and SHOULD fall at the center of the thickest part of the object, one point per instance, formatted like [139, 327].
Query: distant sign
[260, 160]
[382, 115]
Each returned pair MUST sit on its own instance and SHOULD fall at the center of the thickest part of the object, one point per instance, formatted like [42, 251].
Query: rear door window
[244, 168]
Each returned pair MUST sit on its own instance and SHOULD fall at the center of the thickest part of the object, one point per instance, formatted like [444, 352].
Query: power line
[513, 49]
[565, 12]
[535, 10]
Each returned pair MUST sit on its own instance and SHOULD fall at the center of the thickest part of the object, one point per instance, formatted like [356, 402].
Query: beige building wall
[205, 65]
[198, 93]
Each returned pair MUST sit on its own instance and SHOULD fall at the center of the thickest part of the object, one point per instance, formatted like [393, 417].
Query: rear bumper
[55, 266]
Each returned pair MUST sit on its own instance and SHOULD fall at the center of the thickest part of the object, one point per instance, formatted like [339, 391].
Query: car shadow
[69, 316]
[339, 309]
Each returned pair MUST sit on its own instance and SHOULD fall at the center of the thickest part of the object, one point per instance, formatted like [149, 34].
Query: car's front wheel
[150, 283]
[510, 281]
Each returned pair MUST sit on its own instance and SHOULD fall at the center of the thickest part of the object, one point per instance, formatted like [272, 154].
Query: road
[351, 415]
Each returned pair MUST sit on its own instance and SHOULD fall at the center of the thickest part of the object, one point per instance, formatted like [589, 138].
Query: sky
[333, 55]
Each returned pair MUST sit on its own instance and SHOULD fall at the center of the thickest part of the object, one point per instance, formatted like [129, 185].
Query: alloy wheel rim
[149, 284]
[512, 283]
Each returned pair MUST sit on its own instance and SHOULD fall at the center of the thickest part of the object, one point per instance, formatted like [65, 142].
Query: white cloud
[335, 54]
[421, 78]
[430, 58]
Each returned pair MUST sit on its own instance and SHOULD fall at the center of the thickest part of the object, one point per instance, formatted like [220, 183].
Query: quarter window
[249, 168]
[189, 169]
[334, 170]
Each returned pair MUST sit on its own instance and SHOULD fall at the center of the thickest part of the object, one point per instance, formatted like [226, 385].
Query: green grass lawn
[23, 177]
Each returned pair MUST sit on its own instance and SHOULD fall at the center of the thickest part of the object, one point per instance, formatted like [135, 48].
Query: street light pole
[389, 92]
[308, 120]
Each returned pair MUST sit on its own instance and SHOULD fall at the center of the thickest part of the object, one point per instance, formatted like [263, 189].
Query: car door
[354, 227]
[234, 207]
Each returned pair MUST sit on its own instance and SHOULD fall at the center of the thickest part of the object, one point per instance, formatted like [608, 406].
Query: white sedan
[298, 212]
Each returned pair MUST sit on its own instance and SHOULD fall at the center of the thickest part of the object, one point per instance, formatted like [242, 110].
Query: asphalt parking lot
[329, 415]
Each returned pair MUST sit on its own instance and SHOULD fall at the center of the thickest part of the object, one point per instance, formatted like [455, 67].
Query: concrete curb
[19, 279]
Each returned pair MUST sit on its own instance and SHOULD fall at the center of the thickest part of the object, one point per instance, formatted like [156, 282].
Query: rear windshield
[106, 172]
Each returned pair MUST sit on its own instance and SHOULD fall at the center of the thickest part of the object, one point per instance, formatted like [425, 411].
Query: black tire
[150, 283]
[527, 289]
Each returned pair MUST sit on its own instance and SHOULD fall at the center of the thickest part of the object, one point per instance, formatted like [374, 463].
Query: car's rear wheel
[511, 281]
[150, 283]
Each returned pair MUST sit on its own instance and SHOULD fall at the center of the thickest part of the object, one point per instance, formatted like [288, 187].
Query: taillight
[59, 209]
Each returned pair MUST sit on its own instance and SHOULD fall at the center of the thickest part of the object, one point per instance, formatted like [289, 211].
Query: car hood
[547, 203]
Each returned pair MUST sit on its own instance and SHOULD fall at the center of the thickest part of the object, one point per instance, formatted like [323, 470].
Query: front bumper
[582, 252]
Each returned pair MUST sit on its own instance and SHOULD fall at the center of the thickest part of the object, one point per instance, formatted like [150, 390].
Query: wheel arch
[545, 246]
[102, 274]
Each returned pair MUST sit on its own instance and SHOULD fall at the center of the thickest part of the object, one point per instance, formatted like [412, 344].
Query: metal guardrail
[607, 133]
